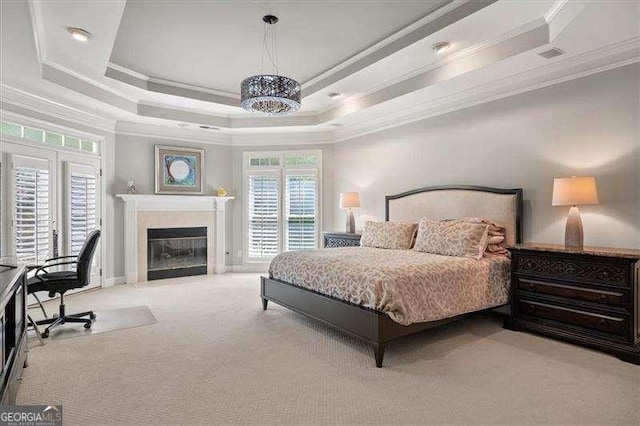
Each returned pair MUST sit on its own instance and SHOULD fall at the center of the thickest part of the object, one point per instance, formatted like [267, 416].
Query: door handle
[55, 243]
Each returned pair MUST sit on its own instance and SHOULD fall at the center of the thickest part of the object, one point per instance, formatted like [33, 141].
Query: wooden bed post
[378, 352]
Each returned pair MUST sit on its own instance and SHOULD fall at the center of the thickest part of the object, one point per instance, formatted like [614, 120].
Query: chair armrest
[57, 258]
[43, 268]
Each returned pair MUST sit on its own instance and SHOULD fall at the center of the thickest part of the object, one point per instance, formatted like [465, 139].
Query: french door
[54, 204]
[33, 218]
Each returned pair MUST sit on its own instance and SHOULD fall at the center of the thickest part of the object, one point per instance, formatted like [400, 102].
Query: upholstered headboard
[503, 206]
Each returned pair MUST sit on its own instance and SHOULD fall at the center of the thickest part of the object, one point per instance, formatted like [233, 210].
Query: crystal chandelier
[270, 94]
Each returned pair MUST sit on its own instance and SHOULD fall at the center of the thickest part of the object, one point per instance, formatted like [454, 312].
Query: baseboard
[249, 267]
[114, 280]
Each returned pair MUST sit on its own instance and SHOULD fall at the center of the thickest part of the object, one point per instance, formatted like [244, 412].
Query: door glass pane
[82, 209]
[263, 216]
[32, 214]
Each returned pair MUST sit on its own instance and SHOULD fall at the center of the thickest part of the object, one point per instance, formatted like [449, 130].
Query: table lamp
[572, 192]
[350, 200]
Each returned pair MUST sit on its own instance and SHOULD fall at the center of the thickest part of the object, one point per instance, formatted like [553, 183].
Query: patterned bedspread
[407, 285]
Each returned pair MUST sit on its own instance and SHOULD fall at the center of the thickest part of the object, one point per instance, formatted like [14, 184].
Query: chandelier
[270, 94]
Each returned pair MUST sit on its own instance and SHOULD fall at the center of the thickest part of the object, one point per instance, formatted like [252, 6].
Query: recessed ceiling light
[441, 46]
[335, 125]
[335, 95]
[79, 34]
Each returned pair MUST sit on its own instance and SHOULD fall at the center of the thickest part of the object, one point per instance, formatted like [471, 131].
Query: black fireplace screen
[176, 252]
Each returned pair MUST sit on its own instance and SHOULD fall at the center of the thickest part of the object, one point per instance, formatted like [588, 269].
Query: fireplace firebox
[176, 252]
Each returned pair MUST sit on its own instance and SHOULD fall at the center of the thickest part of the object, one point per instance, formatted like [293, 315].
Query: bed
[379, 295]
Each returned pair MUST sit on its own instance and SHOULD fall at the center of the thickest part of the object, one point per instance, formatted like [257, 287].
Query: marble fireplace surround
[171, 211]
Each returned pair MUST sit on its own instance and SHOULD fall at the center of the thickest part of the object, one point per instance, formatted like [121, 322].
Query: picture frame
[179, 170]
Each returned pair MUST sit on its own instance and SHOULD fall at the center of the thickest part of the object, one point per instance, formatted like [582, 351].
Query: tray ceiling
[154, 65]
[214, 45]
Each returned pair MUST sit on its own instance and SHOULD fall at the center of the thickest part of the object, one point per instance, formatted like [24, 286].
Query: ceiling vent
[209, 128]
[551, 53]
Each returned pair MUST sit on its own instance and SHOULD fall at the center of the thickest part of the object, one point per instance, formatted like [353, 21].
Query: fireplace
[176, 252]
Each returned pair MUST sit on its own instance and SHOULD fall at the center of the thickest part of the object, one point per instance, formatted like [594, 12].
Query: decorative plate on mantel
[179, 170]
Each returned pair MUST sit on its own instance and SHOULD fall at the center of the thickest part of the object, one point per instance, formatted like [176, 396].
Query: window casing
[282, 202]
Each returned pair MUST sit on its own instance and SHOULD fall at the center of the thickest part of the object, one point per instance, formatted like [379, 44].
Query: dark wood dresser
[13, 328]
[587, 297]
[340, 239]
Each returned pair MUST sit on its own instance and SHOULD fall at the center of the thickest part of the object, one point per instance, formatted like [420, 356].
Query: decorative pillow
[496, 244]
[388, 235]
[452, 238]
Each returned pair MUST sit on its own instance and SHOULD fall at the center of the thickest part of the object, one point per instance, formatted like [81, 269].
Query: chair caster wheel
[93, 316]
[87, 325]
[44, 334]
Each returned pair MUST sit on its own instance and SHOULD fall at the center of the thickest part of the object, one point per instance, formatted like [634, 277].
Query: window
[47, 137]
[282, 202]
[301, 225]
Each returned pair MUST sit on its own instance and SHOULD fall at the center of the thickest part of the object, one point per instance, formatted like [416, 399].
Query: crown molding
[593, 62]
[146, 130]
[157, 85]
[280, 138]
[554, 10]
[12, 96]
[38, 29]
[213, 137]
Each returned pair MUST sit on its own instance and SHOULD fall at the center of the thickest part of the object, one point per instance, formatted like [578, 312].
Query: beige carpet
[215, 357]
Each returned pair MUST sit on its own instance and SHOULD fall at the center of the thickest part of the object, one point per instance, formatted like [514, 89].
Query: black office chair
[62, 281]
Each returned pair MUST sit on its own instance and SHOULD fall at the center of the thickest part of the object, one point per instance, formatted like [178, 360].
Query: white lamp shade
[349, 200]
[574, 191]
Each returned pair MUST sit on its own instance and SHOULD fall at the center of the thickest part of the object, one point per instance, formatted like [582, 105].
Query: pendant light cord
[269, 29]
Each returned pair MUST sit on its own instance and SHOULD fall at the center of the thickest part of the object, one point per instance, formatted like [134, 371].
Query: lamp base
[351, 223]
[573, 232]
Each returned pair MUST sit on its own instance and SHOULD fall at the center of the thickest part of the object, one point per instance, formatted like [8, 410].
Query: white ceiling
[215, 44]
[152, 64]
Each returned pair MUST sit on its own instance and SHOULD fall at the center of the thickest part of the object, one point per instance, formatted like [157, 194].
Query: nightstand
[340, 239]
[588, 297]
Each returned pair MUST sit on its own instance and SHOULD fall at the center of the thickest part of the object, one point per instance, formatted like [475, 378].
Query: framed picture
[179, 170]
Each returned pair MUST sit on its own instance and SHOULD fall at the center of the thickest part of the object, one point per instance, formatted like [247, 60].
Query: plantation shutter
[301, 211]
[263, 208]
[32, 214]
[82, 208]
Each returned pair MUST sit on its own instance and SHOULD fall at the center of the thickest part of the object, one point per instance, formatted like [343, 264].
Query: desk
[13, 328]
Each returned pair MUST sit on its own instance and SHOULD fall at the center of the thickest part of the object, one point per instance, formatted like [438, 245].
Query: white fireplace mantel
[135, 203]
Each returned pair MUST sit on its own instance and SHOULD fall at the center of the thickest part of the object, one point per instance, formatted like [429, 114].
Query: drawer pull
[603, 323]
[603, 298]
[531, 308]
[532, 287]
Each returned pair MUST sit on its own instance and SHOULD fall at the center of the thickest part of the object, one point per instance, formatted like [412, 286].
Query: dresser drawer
[573, 268]
[573, 292]
[604, 323]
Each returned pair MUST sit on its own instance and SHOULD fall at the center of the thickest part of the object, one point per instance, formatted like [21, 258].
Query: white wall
[588, 126]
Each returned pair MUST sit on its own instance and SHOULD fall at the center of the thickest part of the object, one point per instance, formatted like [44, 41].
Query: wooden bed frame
[373, 327]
